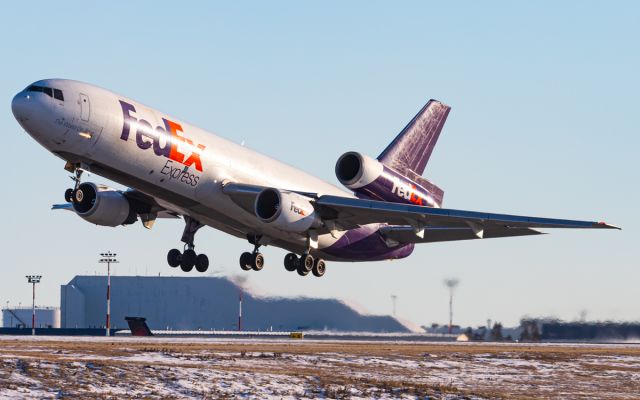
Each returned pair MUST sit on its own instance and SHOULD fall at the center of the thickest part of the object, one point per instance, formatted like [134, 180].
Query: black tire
[174, 257]
[188, 260]
[245, 261]
[257, 261]
[202, 263]
[307, 262]
[68, 195]
[290, 262]
[302, 271]
[319, 268]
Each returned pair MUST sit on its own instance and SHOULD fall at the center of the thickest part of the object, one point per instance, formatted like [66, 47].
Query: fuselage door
[85, 107]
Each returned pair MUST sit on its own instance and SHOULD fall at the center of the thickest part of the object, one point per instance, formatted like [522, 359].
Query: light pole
[393, 301]
[108, 258]
[240, 310]
[33, 279]
[451, 283]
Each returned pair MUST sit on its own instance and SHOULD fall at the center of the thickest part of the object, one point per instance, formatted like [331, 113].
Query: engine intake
[102, 205]
[355, 170]
[287, 211]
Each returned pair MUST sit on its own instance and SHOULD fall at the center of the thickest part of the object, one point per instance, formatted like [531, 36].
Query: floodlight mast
[451, 283]
[108, 258]
[394, 298]
[33, 279]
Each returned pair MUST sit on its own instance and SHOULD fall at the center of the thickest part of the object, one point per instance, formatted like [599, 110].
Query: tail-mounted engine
[102, 205]
[370, 178]
[287, 211]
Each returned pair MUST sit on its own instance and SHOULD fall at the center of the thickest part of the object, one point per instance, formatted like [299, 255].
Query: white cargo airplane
[175, 169]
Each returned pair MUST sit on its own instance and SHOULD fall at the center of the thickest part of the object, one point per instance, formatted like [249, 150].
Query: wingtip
[604, 225]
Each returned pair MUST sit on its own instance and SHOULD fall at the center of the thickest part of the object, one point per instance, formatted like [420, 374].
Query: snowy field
[126, 367]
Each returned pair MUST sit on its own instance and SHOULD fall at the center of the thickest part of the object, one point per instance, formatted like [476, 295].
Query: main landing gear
[188, 259]
[254, 260]
[304, 264]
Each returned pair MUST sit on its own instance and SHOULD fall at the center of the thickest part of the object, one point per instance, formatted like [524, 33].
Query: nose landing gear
[70, 194]
[188, 259]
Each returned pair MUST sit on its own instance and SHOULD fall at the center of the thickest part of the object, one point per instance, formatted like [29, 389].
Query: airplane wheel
[307, 262]
[68, 195]
[174, 257]
[202, 263]
[302, 270]
[257, 261]
[290, 261]
[319, 267]
[245, 261]
[188, 260]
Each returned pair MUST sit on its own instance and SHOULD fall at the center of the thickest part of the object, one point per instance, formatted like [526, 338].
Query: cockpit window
[34, 88]
[55, 93]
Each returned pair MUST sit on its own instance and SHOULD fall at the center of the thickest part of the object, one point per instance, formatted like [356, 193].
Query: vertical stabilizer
[138, 326]
[411, 149]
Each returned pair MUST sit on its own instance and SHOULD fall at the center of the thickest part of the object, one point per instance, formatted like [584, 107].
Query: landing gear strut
[70, 194]
[254, 260]
[188, 259]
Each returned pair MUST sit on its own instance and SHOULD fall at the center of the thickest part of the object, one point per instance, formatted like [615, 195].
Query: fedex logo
[406, 192]
[164, 140]
[296, 210]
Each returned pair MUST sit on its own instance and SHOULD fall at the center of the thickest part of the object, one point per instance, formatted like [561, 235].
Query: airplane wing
[412, 223]
[348, 212]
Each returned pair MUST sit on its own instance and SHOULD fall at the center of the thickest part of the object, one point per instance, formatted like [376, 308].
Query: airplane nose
[20, 106]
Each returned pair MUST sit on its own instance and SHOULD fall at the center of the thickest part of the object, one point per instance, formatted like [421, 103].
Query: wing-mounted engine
[102, 205]
[370, 178]
[286, 210]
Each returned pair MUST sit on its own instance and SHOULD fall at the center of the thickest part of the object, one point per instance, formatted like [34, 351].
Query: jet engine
[102, 205]
[285, 210]
[372, 179]
[355, 170]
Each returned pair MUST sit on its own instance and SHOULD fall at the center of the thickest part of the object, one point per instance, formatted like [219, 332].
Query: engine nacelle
[102, 205]
[371, 178]
[355, 170]
[287, 211]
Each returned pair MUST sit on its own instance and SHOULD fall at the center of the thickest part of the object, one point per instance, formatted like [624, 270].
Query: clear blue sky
[544, 122]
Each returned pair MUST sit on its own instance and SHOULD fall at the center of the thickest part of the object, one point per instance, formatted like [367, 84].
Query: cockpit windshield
[55, 93]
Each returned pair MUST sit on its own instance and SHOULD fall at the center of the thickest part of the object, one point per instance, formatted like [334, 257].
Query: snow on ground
[288, 369]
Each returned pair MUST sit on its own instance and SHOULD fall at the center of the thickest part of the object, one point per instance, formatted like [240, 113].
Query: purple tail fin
[411, 149]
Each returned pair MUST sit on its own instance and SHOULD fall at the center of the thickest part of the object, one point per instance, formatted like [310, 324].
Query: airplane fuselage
[184, 168]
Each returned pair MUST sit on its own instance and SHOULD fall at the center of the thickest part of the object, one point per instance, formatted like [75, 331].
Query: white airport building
[20, 317]
[206, 303]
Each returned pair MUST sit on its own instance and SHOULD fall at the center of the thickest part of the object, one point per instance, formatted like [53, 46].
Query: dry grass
[158, 368]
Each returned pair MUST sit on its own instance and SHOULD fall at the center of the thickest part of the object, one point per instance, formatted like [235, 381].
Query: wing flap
[406, 234]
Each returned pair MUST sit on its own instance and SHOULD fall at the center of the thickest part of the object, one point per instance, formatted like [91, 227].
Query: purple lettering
[128, 119]
[144, 131]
